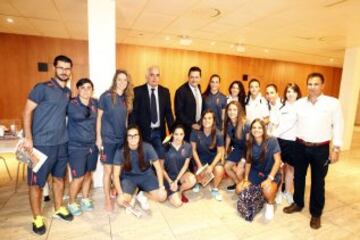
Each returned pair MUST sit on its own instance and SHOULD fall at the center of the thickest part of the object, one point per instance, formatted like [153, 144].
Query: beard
[62, 77]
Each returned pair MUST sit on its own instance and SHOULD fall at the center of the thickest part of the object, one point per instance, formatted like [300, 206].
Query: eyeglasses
[63, 69]
[154, 74]
[133, 136]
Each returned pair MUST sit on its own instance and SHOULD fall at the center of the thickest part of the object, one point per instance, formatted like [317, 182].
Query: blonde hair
[129, 90]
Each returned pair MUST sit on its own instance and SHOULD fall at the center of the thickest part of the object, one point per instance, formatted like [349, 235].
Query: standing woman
[274, 105]
[286, 134]
[83, 153]
[215, 100]
[176, 164]
[236, 131]
[132, 169]
[208, 148]
[262, 164]
[114, 108]
[237, 93]
[255, 104]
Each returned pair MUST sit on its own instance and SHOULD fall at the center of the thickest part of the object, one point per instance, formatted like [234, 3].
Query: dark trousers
[156, 142]
[317, 157]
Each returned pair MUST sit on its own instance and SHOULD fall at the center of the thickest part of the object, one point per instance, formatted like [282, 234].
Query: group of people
[254, 140]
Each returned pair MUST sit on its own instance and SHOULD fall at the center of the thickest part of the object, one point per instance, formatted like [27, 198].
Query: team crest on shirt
[93, 108]
[217, 101]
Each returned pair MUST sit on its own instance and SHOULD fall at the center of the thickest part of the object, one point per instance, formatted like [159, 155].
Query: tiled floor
[201, 218]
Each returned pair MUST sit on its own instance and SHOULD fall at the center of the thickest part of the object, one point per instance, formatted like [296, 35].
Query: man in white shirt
[319, 120]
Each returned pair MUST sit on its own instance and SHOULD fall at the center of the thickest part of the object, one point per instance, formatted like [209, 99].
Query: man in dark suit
[188, 102]
[152, 109]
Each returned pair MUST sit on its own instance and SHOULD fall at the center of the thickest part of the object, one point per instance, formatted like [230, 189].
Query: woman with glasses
[83, 153]
[133, 171]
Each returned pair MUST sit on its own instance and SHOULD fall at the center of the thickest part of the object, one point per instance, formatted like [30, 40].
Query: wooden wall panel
[20, 55]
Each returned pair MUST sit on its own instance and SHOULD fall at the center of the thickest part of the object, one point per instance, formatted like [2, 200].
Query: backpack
[250, 202]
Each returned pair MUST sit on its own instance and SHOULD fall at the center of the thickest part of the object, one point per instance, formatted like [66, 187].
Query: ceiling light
[212, 43]
[331, 60]
[167, 38]
[9, 20]
[240, 48]
[185, 40]
[266, 50]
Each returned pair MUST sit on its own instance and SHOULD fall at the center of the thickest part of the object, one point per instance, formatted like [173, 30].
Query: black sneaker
[63, 214]
[46, 198]
[39, 226]
[231, 188]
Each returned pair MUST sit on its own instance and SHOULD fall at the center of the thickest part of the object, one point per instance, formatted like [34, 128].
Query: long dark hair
[250, 143]
[240, 121]
[242, 95]
[271, 85]
[295, 88]
[213, 127]
[173, 129]
[140, 150]
[249, 94]
[128, 92]
[208, 88]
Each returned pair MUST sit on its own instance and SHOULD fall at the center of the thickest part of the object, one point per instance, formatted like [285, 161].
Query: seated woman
[262, 165]
[208, 148]
[236, 131]
[176, 164]
[132, 170]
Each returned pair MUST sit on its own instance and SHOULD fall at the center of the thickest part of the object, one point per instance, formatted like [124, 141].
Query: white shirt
[274, 117]
[230, 98]
[286, 128]
[256, 108]
[321, 121]
[198, 99]
[157, 124]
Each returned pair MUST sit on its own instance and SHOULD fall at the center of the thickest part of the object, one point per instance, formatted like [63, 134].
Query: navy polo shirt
[266, 166]
[113, 122]
[237, 143]
[203, 143]
[175, 159]
[82, 121]
[216, 102]
[149, 156]
[48, 123]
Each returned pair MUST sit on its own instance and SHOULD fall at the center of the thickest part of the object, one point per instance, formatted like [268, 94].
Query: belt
[312, 144]
[155, 129]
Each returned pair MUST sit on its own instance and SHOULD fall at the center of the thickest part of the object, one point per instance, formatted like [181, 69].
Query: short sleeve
[193, 136]
[247, 128]
[273, 146]
[102, 102]
[223, 102]
[119, 157]
[37, 94]
[149, 153]
[188, 150]
[219, 139]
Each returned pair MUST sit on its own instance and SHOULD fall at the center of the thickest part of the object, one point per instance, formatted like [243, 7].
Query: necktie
[198, 104]
[154, 115]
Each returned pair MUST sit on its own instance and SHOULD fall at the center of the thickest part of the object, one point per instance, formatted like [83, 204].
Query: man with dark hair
[319, 120]
[45, 129]
[189, 102]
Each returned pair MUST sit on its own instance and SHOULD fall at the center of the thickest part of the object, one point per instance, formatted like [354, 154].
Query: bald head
[153, 76]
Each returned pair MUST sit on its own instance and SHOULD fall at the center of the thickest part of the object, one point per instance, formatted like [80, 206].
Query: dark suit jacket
[185, 107]
[141, 115]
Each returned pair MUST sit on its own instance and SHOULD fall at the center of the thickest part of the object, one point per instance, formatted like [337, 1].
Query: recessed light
[266, 50]
[10, 20]
[240, 48]
[167, 38]
[212, 43]
[185, 40]
[331, 60]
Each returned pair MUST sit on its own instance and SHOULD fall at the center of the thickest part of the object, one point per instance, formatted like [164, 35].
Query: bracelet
[271, 177]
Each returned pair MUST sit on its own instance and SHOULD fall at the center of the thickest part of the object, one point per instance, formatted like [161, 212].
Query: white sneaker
[143, 201]
[216, 194]
[269, 211]
[279, 197]
[196, 188]
[289, 197]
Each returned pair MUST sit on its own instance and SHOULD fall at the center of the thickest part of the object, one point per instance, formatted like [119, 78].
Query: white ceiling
[306, 31]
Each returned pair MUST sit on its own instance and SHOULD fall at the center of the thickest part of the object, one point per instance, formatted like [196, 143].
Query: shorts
[109, 152]
[235, 155]
[145, 182]
[287, 151]
[82, 160]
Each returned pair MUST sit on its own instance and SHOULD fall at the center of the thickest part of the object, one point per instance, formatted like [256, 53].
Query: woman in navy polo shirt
[114, 107]
[176, 164]
[236, 93]
[215, 100]
[208, 148]
[262, 164]
[132, 169]
[83, 153]
[236, 131]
